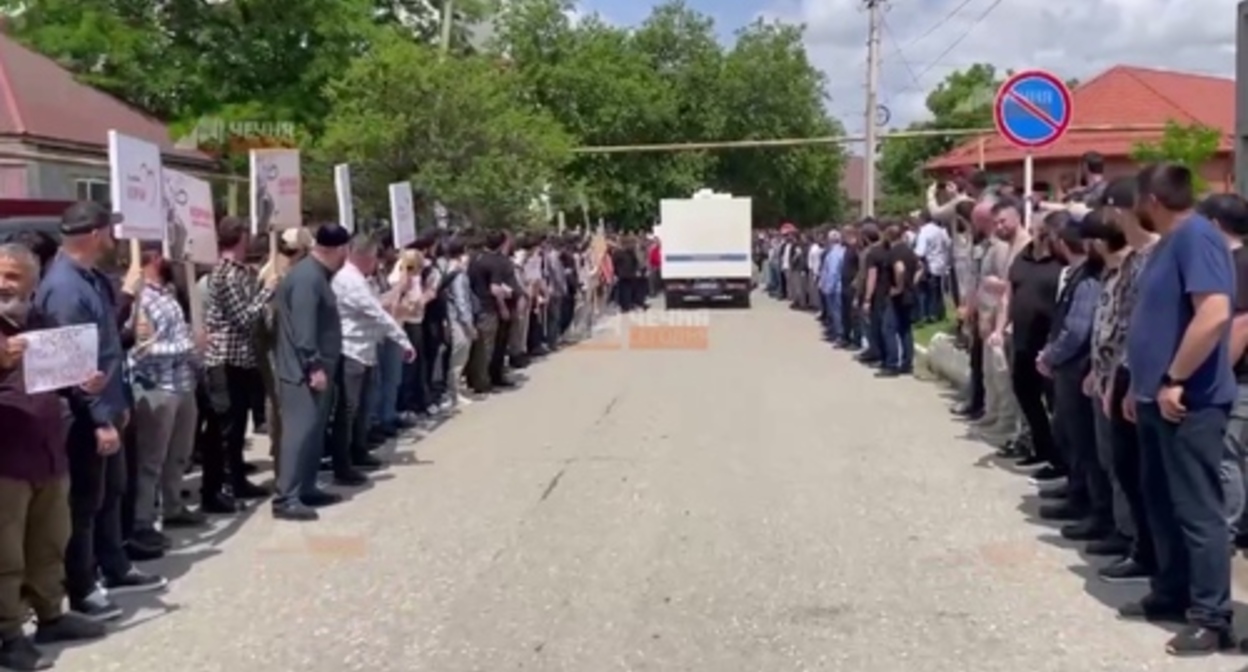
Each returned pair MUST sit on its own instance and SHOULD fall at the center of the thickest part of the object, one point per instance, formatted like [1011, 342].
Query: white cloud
[1072, 38]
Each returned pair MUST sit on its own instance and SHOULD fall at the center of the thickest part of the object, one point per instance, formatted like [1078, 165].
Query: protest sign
[402, 214]
[276, 190]
[134, 174]
[62, 357]
[342, 187]
[192, 221]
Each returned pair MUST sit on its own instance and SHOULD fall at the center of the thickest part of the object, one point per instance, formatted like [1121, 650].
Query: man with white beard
[34, 485]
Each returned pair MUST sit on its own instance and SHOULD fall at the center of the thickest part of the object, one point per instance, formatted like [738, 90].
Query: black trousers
[229, 391]
[1035, 397]
[978, 394]
[498, 358]
[1127, 467]
[96, 487]
[850, 318]
[348, 430]
[481, 353]
[1074, 419]
[432, 335]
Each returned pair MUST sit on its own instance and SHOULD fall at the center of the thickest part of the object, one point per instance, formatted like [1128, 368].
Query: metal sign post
[1032, 110]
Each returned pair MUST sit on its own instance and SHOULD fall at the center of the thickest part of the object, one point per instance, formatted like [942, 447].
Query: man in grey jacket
[309, 345]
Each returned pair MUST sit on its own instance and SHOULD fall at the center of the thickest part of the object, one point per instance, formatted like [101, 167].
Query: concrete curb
[945, 361]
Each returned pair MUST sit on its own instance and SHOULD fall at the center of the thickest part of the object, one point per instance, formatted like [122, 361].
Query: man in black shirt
[875, 295]
[902, 271]
[488, 275]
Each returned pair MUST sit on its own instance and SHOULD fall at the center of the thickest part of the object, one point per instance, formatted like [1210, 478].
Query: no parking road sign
[1033, 109]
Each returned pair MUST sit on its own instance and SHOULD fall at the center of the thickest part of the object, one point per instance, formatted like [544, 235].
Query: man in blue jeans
[830, 288]
[1182, 388]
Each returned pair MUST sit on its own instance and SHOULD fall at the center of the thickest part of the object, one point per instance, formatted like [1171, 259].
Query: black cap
[1119, 193]
[332, 235]
[85, 217]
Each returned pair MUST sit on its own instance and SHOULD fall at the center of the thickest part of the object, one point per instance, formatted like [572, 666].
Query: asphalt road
[761, 505]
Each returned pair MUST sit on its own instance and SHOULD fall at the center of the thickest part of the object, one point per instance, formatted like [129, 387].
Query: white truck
[706, 243]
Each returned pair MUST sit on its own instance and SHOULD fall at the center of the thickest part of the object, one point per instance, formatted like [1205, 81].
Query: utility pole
[448, 21]
[874, 9]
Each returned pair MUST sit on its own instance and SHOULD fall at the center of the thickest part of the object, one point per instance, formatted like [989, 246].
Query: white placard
[134, 185]
[192, 222]
[276, 190]
[59, 358]
[342, 187]
[402, 214]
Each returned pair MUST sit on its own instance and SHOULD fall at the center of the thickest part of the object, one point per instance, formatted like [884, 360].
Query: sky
[924, 40]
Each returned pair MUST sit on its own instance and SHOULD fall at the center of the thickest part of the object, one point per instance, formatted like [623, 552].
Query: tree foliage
[1189, 145]
[310, 63]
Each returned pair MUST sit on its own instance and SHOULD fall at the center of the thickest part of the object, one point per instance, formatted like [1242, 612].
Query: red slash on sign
[1033, 109]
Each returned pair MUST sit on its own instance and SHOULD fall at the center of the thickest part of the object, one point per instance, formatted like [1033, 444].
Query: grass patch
[923, 334]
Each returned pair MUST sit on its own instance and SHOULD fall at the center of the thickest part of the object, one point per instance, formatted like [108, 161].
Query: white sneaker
[464, 401]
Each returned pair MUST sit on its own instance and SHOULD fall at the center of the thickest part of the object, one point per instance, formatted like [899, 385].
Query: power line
[966, 33]
[888, 32]
[952, 13]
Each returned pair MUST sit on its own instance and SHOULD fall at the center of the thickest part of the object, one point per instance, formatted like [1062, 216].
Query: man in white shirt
[933, 246]
[814, 262]
[365, 323]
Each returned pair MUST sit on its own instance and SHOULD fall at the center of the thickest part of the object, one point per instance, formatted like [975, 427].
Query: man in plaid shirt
[164, 372]
[235, 302]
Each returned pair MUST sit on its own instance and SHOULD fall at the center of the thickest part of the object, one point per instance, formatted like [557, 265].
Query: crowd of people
[331, 347]
[1107, 345]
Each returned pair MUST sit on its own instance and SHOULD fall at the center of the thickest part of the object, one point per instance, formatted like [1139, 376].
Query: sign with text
[192, 222]
[402, 214]
[59, 358]
[276, 190]
[651, 330]
[342, 187]
[134, 174]
[1033, 109]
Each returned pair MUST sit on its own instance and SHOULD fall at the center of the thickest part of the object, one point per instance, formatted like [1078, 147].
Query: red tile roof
[1127, 96]
[40, 100]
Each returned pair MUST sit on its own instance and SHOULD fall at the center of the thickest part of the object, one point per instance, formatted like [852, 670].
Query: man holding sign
[75, 292]
[34, 483]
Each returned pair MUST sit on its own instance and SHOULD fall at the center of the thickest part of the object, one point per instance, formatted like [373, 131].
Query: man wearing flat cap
[309, 345]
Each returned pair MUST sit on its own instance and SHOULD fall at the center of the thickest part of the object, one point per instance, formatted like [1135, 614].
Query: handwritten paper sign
[276, 190]
[134, 173]
[63, 357]
[402, 214]
[192, 222]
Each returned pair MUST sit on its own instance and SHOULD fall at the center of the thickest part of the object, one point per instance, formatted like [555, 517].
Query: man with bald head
[982, 224]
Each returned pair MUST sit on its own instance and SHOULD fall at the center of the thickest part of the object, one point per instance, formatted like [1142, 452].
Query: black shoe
[1012, 450]
[968, 412]
[96, 607]
[504, 383]
[250, 468]
[1198, 640]
[1031, 460]
[1085, 530]
[219, 503]
[1060, 512]
[1126, 570]
[886, 372]
[150, 538]
[1113, 546]
[19, 653]
[320, 498]
[185, 518]
[70, 627]
[138, 551]
[367, 463]
[350, 478]
[1055, 493]
[245, 489]
[1152, 611]
[1046, 474]
[295, 513]
[134, 581]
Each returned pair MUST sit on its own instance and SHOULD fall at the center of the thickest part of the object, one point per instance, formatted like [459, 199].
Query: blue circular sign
[1033, 109]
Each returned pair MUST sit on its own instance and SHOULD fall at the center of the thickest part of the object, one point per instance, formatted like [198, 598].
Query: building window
[93, 190]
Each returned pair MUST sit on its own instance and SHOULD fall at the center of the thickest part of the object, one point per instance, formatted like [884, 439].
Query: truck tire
[673, 299]
[743, 301]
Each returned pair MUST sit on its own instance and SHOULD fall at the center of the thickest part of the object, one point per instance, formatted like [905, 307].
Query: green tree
[1189, 145]
[459, 128]
[769, 90]
[963, 100]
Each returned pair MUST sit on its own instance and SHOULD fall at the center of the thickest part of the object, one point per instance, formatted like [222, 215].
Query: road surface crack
[554, 483]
